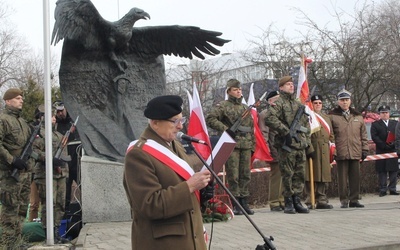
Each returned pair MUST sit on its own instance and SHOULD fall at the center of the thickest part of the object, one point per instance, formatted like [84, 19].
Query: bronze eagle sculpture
[109, 70]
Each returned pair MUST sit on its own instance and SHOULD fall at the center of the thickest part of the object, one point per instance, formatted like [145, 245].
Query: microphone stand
[267, 241]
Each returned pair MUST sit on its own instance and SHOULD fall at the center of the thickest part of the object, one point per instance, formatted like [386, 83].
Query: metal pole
[48, 133]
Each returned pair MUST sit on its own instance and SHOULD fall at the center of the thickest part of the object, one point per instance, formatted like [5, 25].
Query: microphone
[182, 136]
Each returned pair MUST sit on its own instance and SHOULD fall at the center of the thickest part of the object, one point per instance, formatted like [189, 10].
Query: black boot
[236, 209]
[289, 209]
[298, 206]
[57, 238]
[243, 202]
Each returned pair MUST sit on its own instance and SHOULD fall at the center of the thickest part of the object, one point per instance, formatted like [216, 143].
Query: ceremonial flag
[261, 150]
[303, 93]
[197, 125]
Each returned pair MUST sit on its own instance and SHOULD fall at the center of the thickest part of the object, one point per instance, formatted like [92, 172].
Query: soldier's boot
[298, 206]
[236, 209]
[243, 202]
[289, 209]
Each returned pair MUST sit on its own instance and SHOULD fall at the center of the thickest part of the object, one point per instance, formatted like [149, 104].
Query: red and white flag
[197, 125]
[303, 93]
[261, 151]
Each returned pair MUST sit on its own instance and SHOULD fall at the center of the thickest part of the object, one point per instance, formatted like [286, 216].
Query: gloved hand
[288, 140]
[363, 155]
[19, 164]
[311, 155]
[57, 162]
[231, 133]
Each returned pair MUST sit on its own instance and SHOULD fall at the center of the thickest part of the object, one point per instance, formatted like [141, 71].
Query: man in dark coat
[162, 189]
[383, 134]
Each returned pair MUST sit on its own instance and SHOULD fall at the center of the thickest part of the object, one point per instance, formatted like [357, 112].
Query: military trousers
[275, 197]
[59, 191]
[238, 172]
[320, 189]
[14, 199]
[292, 166]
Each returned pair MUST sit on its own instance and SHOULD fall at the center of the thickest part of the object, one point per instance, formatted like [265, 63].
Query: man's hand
[363, 155]
[231, 133]
[288, 140]
[19, 164]
[311, 155]
[57, 162]
[199, 180]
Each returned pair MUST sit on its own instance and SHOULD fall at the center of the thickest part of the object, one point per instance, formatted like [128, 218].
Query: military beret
[316, 97]
[272, 94]
[163, 107]
[58, 105]
[284, 80]
[384, 108]
[343, 94]
[233, 83]
[12, 93]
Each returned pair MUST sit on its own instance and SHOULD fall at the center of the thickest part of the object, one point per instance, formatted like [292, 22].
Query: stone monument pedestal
[103, 194]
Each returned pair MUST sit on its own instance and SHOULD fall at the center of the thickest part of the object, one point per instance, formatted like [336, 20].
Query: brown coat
[165, 214]
[321, 159]
[350, 135]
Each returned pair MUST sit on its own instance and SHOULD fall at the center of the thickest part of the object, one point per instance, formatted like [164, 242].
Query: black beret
[316, 97]
[272, 94]
[384, 108]
[163, 107]
[12, 93]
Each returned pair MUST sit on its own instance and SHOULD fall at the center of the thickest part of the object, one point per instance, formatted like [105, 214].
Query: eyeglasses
[178, 121]
[317, 102]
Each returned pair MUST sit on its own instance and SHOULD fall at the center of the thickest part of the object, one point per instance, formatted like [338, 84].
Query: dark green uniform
[60, 174]
[292, 164]
[222, 117]
[14, 134]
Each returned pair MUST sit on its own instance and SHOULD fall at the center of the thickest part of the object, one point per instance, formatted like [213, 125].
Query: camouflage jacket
[14, 134]
[224, 115]
[281, 116]
[39, 148]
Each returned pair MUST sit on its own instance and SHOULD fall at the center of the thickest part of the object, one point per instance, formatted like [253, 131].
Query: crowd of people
[164, 191]
[23, 168]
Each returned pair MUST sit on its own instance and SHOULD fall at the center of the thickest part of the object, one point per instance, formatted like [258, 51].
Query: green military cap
[284, 80]
[233, 83]
[12, 93]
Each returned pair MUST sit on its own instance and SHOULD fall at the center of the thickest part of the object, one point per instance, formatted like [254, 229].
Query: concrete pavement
[377, 226]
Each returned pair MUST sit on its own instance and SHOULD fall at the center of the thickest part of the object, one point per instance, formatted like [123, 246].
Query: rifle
[27, 151]
[237, 123]
[64, 142]
[295, 127]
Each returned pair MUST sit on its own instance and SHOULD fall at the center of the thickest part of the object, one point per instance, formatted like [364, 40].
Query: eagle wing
[78, 20]
[182, 41]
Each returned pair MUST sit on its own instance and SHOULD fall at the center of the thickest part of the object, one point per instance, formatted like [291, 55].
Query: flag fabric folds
[261, 150]
[197, 125]
[303, 93]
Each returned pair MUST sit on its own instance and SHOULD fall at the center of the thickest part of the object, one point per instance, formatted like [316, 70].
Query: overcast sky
[239, 21]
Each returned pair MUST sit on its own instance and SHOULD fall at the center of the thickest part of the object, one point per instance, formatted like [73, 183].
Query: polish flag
[303, 93]
[261, 150]
[197, 125]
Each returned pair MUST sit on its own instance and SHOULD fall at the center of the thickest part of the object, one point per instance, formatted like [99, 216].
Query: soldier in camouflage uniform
[60, 173]
[292, 164]
[221, 118]
[14, 134]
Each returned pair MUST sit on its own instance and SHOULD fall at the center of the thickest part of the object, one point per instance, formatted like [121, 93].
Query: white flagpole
[48, 114]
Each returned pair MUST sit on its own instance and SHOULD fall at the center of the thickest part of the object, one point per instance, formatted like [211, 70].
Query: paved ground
[377, 226]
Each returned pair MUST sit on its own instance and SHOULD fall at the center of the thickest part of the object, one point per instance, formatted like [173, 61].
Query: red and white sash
[168, 158]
